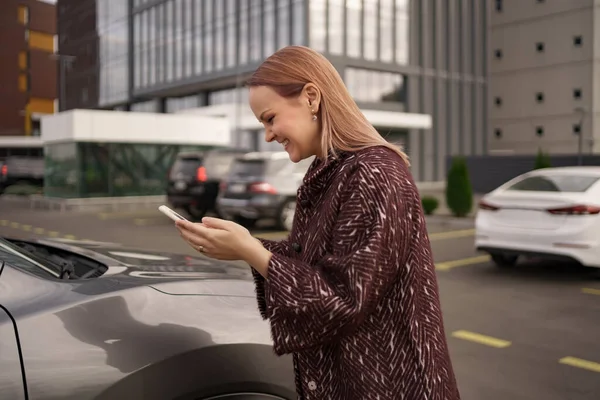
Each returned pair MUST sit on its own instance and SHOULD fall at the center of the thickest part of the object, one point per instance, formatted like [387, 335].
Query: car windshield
[20, 258]
[186, 166]
[243, 168]
[555, 183]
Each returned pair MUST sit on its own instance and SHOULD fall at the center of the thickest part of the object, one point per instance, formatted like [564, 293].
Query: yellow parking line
[127, 214]
[481, 339]
[579, 363]
[452, 234]
[14, 225]
[447, 265]
[39, 231]
[591, 291]
[26, 228]
[53, 234]
[272, 235]
[3, 222]
[70, 237]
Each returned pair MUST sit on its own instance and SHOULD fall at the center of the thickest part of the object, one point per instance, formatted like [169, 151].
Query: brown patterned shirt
[352, 292]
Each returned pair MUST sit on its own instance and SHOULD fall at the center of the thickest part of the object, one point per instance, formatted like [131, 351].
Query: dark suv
[194, 178]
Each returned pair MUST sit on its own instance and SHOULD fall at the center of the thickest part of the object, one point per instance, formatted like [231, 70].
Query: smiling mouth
[285, 143]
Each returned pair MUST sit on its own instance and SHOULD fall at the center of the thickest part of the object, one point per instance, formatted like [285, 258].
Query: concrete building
[27, 73]
[417, 68]
[544, 77]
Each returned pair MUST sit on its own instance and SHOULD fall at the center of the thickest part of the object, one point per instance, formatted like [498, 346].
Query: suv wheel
[247, 223]
[197, 213]
[285, 219]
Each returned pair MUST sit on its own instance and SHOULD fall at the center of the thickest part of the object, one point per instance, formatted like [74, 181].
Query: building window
[318, 24]
[539, 46]
[539, 130]
[539, 96]
[375, 86]
[498, 53]
[498, 101]
[498, 133]
[353, 22]
[576, 129]
[577, 94]
[369, 30]
[23, 15]
[269, 27]
[499, 5]
[578, 41]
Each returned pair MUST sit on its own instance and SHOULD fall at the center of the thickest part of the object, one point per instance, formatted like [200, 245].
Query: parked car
[194, 179]
[546, 213]
[89, 320]
[262, 185]
[21, 170]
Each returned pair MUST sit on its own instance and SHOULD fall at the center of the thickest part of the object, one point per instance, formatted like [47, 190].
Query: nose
[269, 135]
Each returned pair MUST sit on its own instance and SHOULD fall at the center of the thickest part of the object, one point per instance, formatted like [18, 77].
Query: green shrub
[430, 204]
[21, 189]
[542, 160]
[459, 193]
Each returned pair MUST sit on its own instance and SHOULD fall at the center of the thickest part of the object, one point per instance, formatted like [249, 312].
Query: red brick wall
[42, 70]
[12, 40]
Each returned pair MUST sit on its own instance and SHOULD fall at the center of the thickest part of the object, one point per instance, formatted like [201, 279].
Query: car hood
[171, 273]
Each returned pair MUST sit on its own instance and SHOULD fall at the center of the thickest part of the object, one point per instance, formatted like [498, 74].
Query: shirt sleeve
[309, 305]
[275, 247]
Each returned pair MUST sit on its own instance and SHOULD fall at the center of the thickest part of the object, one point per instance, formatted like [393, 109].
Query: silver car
[90, 320]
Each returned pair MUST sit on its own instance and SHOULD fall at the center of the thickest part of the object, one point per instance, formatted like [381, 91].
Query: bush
[430, 204]
[23, 189]
[542, 160]
[459, 193]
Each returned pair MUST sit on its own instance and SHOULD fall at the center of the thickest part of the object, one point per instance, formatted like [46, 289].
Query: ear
[312, 94]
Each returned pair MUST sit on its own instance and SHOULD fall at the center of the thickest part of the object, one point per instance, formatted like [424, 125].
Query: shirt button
[312, 385]
[297, 247]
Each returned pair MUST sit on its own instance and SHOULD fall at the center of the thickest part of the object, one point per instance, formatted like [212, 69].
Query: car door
[12, 378]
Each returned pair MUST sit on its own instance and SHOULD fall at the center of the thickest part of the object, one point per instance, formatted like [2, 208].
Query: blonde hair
[344, 127]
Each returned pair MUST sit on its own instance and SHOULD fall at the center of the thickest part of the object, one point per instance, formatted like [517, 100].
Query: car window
[11, 255]
[555, 183]
[186, 166]
[218, 165]
[243, 168]
[280, 166]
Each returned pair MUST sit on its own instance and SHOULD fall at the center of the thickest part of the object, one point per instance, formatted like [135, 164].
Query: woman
[352, 291]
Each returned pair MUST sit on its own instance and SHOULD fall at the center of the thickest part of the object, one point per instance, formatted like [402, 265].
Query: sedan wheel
[504, 260]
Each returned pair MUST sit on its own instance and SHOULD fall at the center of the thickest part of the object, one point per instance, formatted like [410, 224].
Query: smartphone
[170, 213]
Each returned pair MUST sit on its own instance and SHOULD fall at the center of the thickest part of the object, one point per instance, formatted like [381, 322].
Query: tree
[542, 160]
[459, 193]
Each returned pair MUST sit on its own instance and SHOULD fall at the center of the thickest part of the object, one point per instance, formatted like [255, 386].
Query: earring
[314, 118]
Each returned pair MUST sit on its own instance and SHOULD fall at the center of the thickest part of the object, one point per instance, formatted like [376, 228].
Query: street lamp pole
[581, 111]
[64, 62]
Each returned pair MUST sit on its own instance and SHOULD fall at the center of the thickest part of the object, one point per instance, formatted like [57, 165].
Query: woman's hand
[225, 240]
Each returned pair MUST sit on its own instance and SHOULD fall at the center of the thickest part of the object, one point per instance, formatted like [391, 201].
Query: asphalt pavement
[528, 332]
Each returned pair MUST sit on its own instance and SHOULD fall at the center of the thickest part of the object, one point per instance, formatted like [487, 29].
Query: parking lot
[528, 332]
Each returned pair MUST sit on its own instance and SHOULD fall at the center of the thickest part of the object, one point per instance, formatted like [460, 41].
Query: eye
[270, 119]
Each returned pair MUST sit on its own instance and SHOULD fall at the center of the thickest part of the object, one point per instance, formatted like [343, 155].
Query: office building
[544, 77]
[27, 73]
[417, 68]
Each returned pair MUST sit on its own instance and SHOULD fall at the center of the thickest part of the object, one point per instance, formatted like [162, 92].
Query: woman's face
[289, 121]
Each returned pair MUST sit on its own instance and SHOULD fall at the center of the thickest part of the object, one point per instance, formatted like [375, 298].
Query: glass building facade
[415, 56]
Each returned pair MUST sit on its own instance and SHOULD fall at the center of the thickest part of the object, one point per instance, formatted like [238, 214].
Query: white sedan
[548, 213]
